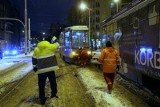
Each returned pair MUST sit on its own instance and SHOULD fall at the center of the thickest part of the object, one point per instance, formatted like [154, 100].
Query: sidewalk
[7, 63]
[4, 64]
[13, 68]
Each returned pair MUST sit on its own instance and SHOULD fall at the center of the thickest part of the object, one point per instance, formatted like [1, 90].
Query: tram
[71, 40]
[135, 31]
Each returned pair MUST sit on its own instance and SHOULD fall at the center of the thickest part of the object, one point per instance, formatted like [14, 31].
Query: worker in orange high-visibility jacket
[110, 60]
[83, 56]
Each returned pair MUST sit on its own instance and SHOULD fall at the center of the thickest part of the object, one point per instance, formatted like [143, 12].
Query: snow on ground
[6, 65]
[96, 87]
[96, 54]
[93, 84]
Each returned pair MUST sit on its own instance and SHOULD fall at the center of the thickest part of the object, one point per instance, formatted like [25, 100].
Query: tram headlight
[89, 52]
[73, 53]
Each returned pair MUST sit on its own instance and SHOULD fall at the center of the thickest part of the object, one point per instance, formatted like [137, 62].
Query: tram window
[67, 39]
[97, 26]
[119, 23]
[142, 14]
[67, 34]
[133, 17]
[125, 21]
[79, 39]
[125, 24]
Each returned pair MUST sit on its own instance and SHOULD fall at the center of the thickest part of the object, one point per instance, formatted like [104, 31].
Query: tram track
[70, 86]
[71, 90]
[82, 87]
[13, 86]
[17, 91]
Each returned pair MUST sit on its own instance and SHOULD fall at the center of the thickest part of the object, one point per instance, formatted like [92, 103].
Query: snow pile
[96, 88]
[13, 76]
[4, 65]
[8, 75]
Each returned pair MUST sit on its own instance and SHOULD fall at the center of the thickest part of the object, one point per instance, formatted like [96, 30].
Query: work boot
[108, 90]
[81, 65]
[42, 101]
[52, 96]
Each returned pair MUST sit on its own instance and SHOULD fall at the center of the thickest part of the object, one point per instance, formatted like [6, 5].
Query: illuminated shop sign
[145, 56]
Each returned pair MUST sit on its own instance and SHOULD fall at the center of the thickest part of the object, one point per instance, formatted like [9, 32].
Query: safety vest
[110, 59]
[44, 57]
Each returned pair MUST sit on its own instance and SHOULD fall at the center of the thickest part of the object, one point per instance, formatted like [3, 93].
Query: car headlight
[6, 52]
[14, 52]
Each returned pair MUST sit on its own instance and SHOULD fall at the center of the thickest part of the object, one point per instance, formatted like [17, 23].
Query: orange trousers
[109, 78]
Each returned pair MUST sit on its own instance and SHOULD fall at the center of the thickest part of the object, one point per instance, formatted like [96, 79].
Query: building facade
[99, 11]
[10, 30]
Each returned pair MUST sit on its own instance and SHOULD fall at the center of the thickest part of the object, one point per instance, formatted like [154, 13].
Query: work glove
[54, 39]
[118, 67]
[35, 69]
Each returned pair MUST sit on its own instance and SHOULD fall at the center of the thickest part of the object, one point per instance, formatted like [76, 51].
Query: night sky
[44, 12]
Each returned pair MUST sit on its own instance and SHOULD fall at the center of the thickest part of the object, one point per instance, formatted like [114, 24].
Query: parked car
[10, 52]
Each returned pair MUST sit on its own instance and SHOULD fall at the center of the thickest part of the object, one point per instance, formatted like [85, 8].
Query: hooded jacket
[44, 57]
[110, 59]
[83, 54]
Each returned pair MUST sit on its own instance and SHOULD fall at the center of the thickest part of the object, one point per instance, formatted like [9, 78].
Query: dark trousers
[109, 78]
[42, 82]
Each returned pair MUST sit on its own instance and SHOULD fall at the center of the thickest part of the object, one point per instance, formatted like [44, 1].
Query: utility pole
[89, 35]
[25, 15]
[29, 35]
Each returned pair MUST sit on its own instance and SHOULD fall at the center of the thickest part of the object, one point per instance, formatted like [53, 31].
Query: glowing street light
[83, 7]
[43, 33]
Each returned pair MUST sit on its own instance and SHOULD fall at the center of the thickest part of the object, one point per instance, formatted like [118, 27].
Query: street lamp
[83, 6]
[43, 33]
[116, 1]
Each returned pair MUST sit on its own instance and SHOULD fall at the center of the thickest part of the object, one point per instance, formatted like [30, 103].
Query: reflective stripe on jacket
[44, 58]
[110, 59]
